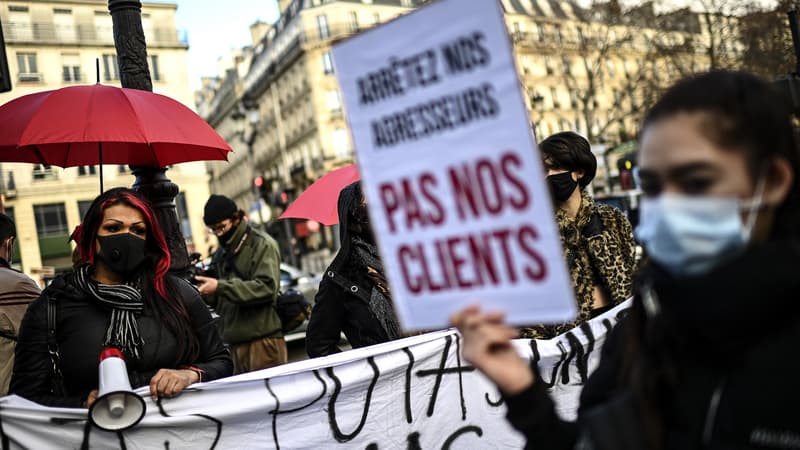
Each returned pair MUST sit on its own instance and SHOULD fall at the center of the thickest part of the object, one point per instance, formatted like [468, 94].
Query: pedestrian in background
[705, 357]
[597, 239]
[120, 296]
[17, 291]
[246, 287]
[354, 297]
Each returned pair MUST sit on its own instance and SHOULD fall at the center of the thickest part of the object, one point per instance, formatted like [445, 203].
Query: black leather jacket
[81, 326]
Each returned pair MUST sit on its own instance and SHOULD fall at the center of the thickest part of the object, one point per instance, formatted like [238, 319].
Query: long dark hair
[742, 113]
[159, 291]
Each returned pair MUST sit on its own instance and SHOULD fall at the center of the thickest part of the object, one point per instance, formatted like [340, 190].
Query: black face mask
[561, 186]
[226, 236]
[123, 253]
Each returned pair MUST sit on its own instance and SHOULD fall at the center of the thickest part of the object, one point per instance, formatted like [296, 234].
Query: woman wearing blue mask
[701, 359]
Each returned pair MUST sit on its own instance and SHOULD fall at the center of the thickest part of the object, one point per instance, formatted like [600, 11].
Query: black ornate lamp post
[151, 182]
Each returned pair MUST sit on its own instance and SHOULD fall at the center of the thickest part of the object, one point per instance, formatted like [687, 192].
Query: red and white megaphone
[117, 407]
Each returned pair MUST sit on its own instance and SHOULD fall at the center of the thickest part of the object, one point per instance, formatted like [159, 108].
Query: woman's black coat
[731, 338]
[81, 327]
[344, 306]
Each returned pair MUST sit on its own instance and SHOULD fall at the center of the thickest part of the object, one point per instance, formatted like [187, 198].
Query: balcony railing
[83, 33]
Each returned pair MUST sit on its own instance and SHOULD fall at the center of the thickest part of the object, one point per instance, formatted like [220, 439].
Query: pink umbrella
[320, 201]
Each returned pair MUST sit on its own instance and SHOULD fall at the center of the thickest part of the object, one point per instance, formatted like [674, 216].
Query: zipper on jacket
[711, 413]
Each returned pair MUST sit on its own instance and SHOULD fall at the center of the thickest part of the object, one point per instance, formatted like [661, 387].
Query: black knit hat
[218, 208]
[7, 228]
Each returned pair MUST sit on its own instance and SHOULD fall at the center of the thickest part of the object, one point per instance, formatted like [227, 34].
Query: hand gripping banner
[415, 393]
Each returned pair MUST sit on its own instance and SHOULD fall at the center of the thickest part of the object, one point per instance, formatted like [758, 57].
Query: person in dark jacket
[122, 297]
[704, 358]
[597, 239]
[246, 287]
[353, 296]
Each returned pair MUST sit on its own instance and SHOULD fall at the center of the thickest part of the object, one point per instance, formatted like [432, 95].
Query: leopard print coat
[606, 260]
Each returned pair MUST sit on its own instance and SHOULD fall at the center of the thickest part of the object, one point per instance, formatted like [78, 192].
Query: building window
[104, 26]
[327, 63]
[110, 67]
[183, 215]
[71, 67]
[353, 21]
[517, 30]
[41, 172]
[559, 37]
[28, 69]
[610, 68]
[548, 65]
[51, 220]
[334, 103]
[87, 170]
[65, 30]
[322, 27]
[83, 208]
[154, 72]
[376, 18]
[341, 144]
[554, 96]
[15, 8]
[123, 168]
[540, 32]
[567, 65]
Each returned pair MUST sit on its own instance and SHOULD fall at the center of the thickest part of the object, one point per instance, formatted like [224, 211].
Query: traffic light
[5, 78]
[625, 166]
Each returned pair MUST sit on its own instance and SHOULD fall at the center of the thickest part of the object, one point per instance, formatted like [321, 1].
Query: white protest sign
[412, 393]
[455, 186]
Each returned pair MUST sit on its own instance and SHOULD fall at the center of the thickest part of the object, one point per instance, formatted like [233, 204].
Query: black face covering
[226, 236]
[561, 186]
[123, 253]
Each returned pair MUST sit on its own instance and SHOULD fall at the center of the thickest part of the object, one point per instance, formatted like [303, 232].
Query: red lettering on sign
[521, 199]
[390, 204]
[527, 239]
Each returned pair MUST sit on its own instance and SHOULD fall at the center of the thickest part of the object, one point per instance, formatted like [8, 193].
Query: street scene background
[262, 75]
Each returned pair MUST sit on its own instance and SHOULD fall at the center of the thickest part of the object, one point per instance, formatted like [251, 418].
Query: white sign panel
[454, 183]
[410, 393]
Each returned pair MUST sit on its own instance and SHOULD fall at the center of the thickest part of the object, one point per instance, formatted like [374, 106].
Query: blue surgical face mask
[692, 235]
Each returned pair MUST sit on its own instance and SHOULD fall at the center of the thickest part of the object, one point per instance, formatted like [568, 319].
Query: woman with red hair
[120, 296]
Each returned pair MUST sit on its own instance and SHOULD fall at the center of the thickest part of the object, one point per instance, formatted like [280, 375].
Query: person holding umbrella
[121, 296]
[244, 293]
[715, 312]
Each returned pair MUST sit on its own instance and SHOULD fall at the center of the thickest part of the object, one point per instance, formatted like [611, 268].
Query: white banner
[415, 393]
[455, 186]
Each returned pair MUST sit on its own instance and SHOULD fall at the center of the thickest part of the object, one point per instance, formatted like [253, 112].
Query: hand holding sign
[487, 346]
[456, 189]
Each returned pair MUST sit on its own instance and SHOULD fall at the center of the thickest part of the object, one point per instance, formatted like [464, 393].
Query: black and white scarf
[125, 303]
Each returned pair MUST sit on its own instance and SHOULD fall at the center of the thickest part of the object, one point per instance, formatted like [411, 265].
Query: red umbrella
[96, 124]
[320, 201]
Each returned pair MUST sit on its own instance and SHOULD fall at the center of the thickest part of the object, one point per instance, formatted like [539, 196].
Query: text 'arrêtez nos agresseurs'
[402, 75]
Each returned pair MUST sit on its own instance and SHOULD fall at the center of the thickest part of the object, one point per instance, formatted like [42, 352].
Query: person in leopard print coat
[597, 239]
